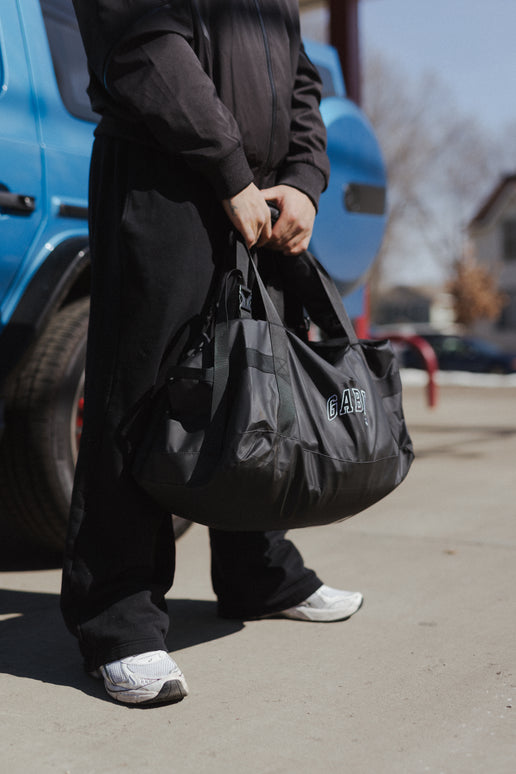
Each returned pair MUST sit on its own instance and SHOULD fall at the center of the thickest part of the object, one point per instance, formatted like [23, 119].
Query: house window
[509, 240]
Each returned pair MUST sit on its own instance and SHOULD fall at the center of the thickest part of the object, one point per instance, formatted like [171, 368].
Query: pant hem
[295, 596]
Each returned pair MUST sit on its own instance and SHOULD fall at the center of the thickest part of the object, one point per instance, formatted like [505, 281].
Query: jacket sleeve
[161, 79]
[306, 166]
[152, 71]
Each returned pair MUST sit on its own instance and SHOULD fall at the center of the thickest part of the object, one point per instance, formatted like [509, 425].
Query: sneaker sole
[171, 692]
[313, 615]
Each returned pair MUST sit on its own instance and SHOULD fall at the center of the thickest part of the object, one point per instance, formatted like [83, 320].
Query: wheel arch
[63, 277]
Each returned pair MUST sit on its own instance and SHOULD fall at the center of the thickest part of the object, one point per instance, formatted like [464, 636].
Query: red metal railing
[428, 357]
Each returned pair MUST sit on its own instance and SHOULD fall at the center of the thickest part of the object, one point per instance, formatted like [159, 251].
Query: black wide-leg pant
[154, 238]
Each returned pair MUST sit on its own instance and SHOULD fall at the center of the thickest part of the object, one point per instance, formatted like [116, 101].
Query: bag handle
[329, 304]
[286, 410]
[246, 266]
[331, 298]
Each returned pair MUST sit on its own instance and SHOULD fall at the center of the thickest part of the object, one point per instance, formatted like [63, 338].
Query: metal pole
[344, 36]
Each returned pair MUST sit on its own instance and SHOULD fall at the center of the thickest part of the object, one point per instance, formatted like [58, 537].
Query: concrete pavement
[422, 679]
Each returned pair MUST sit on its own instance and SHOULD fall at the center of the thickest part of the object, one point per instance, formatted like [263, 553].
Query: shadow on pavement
[456, 440]
[17, 553]
[35, 644]
[194, 621]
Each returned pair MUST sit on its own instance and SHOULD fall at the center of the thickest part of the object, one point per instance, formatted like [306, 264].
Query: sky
[470, 44]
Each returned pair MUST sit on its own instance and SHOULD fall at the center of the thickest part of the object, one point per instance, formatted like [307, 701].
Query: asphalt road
[422, 679]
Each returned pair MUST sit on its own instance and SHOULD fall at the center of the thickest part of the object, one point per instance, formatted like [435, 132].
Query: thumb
[273, 197]
[271, 194]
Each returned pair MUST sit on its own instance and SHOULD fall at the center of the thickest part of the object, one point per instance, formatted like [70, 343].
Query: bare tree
[439, 164]
[475, 291]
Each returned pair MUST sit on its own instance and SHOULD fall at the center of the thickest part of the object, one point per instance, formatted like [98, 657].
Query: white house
[493, 234]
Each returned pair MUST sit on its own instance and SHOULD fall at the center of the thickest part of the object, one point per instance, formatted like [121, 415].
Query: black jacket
[224, 84]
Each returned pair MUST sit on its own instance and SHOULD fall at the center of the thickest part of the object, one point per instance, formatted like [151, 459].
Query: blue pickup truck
[46, 131]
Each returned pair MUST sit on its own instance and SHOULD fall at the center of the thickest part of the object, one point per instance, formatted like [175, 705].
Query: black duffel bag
[257, 429]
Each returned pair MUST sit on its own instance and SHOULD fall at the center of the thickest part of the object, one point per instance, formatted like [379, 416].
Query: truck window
[68, 57]
[328, 87]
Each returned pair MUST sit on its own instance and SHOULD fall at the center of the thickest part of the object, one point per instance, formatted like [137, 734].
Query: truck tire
[42, 434]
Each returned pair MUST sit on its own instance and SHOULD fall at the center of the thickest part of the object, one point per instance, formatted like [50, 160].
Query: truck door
[21, 205]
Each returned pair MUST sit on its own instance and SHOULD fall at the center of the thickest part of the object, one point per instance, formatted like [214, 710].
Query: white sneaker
[324, 605]
[148, 678]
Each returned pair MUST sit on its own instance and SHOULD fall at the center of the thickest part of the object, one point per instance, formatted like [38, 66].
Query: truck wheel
[43, 428]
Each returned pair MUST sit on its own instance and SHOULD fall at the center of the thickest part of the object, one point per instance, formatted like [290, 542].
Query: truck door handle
[18, 204]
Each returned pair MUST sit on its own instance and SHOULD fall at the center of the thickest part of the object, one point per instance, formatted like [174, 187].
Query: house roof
[494, 201]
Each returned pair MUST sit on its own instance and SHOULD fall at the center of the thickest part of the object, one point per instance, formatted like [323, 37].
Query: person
[209, 109]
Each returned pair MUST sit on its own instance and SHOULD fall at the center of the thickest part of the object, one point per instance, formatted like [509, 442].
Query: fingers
[249, 213]
[296, 247]
[292, 232]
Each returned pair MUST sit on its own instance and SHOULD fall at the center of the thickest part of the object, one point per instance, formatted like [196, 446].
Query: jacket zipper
[274, 96]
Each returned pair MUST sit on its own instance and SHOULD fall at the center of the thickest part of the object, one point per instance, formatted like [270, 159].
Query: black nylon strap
[286, 411]
[220, 366]
[332, 296]
[196, 374]
[279, 343]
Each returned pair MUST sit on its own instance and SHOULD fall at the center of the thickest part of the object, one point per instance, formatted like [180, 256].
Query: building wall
[488, 240]
[489, 243]
[508, 276]
[487, 247]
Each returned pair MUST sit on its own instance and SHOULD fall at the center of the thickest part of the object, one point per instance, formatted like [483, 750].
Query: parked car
[46, 132]
[463, 353]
